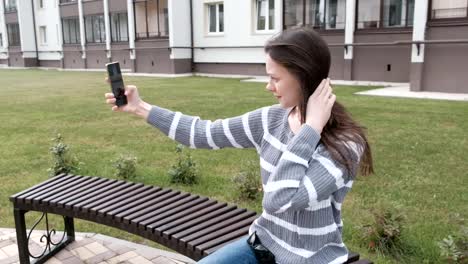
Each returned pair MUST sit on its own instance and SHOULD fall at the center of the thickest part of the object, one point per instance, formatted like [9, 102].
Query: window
[67, 1]
[95, 29]
[215, 18]
[119, 27]
[10, 6]
[393, 13]
[13, 34]
[449, 9]
[71, 30]
[319, 14]
[43, 34]
[1, 40]
[398, 13]
[265, 14]
[151, 19]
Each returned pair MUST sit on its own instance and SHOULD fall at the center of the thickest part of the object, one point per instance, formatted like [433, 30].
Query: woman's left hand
[319, 106]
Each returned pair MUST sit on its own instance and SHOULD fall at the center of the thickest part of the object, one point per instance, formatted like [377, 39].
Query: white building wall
[4, 47]
[239, 30]
[49, 17]
[179, 29]
[26, 25]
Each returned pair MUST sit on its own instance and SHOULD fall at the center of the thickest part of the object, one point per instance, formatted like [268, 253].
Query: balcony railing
[67, 1]
[10, 9]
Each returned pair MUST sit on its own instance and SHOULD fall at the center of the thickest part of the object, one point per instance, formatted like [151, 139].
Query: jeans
[238, 252]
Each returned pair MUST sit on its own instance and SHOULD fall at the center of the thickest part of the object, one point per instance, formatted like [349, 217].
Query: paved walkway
[390, 90]
[90, 248]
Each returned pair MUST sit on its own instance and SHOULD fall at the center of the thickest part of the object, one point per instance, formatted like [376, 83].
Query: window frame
[455, 21]
[101, 34]
[77, 30]
[114, 38]
[43, 35]
[16, 38]
[267, 28]
[218, 32]
[10, 8]
[1, 39]
[380, 28]
[321, 29]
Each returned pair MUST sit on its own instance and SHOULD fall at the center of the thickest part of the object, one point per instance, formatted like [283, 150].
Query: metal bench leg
[51, 247]
[21, 236]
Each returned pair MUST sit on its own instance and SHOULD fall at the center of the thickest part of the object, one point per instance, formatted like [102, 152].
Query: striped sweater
[303, 187]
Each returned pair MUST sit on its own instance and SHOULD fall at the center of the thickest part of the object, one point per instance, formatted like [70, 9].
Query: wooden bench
[192, 225]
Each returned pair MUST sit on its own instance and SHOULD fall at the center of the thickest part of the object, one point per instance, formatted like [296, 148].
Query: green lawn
[420, 147]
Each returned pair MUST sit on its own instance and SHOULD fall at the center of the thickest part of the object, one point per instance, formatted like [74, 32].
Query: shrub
[384, 234]
[125, 166]
[185, 170]
[248, 181]
[63, 161]
[454, 248]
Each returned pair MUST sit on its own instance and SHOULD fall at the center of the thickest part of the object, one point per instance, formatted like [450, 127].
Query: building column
[4, 32]
[417, 51]
[180, 32]
[60, 36]
[131, 34]
[349, 39]
[28, 38]
[82, 32]
[108, 31]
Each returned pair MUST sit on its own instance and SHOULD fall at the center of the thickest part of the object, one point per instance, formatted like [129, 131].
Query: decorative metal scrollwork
[47, 236]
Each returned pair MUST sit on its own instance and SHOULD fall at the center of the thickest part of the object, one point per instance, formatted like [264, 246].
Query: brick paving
[89, 248]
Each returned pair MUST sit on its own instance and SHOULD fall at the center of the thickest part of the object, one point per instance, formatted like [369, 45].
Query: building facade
[422, 42]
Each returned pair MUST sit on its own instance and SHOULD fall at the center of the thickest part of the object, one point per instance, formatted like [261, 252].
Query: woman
[310, 151]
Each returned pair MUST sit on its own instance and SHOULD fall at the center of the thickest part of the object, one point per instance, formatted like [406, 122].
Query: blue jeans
[238, 252]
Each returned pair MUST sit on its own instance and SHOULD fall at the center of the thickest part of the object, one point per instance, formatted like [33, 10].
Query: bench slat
[119, 213]
[27, 198]
[163, 206]
[164, 224]
[196, 218]
[71, 201]
[77, 189]
[85, 205]
[219, 229]
[154, 204]
[172, 209]
[45, 198]
[39, 186]
[113, 196]
[53, 190]
[123, 199]
[213, 243]
[181, 235]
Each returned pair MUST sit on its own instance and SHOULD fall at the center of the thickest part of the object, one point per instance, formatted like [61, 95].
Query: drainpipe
[107, 25]
[35, 32]
[82, 32]
[191, 37]
[131, 33]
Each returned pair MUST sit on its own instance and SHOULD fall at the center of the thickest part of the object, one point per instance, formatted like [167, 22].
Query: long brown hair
[306, 55]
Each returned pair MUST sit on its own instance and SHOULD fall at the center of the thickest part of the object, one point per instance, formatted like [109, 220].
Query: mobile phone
[117, 84]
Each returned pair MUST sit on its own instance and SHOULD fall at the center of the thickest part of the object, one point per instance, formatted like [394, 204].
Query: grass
[420, 147]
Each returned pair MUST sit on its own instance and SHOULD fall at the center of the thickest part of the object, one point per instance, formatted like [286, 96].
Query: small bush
[125, 166]
[384, 234]
[63, 161]
[185, 170]
[454, 248]
[248, 182]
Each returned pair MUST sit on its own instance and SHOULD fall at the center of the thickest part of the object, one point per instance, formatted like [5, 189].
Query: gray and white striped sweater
[303, 187]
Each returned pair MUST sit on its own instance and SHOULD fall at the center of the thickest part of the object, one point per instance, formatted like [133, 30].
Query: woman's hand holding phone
[134, 103]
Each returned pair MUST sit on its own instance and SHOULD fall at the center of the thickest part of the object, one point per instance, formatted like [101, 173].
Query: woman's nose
[270, 87]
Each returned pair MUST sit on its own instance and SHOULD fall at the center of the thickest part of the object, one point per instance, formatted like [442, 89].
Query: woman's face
[284, 86]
